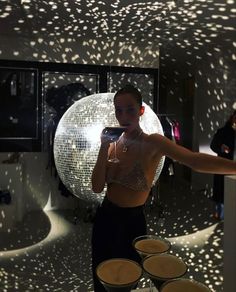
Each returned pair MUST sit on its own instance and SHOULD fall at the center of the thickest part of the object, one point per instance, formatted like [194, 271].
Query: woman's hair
[130, 89]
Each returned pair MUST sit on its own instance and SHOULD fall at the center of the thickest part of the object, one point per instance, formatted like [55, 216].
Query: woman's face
[127, 111]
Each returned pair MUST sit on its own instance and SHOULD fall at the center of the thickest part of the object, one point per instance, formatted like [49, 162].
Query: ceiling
[187, 26]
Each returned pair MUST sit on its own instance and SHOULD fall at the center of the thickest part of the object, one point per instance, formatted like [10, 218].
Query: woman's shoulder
[152, 140]
[160, 144]
[153, 143]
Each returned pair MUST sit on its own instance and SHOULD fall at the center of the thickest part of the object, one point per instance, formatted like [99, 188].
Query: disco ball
[77, 141]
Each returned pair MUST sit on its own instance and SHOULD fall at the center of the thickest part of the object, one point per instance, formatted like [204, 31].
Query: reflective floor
[48, 252]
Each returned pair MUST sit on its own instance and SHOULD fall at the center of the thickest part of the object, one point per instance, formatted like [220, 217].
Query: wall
[213, 98]
[82, 51]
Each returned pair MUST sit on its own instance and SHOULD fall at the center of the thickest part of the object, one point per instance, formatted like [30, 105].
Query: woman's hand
[105, 138]
[108, 137]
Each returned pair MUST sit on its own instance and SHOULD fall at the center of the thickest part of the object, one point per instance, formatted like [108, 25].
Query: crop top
[134, 179]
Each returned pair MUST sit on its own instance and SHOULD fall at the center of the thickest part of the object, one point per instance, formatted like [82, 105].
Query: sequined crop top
[134, 179]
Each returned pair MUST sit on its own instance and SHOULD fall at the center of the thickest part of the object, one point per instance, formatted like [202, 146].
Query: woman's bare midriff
[125, 197]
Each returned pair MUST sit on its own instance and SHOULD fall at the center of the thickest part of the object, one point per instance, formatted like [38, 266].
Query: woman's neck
[133, 134]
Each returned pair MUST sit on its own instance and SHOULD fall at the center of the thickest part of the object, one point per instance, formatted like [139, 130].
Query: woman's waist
[124, 197]
[121, 211]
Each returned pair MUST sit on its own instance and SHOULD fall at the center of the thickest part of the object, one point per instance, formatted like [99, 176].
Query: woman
[223, 143]
[120, 218]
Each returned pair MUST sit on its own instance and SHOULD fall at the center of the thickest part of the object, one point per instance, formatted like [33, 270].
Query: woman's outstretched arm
[199, 162]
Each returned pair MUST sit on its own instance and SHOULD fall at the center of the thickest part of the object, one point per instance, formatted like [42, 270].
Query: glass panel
[60, 91]
[18, 104]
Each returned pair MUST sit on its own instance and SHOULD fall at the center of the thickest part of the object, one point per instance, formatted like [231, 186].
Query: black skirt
[113, 232]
